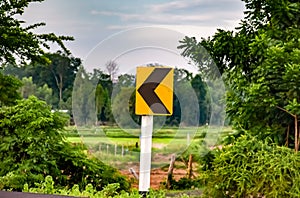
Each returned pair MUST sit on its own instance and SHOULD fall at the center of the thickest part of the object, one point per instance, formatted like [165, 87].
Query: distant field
[114, 135]
[118, 146]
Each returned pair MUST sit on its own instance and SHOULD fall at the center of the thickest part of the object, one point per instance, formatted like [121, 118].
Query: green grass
[173, 138]
[107, 143]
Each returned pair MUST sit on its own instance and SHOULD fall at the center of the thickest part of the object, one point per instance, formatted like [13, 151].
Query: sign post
[145, 154]
[154, 96]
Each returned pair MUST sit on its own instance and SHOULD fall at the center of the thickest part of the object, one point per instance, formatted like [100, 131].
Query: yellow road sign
[154, 91]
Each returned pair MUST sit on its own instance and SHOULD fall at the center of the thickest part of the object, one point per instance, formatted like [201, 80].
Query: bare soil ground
[158, 175]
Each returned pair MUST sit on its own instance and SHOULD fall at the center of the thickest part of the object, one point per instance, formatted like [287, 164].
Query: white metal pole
[145, 153]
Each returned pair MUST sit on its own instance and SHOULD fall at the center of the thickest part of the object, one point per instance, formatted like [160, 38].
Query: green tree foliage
[122, 107]
[33, 146]
[9, 86]
[29, 88]
[102, 104]
[84, 99]
[260, 64]
[92, 98]
[103, 95]
[103, 79]
[124, 95]
[189, 99]
[201, 91]
[59, 75]
[18, 41]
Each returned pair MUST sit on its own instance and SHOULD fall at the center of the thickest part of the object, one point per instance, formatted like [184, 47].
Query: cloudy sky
[92, 21]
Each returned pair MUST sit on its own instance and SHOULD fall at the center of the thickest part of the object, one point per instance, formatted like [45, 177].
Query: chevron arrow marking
[147, 90]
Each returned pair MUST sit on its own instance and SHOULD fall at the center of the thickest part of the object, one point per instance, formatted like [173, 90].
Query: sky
[106, 27]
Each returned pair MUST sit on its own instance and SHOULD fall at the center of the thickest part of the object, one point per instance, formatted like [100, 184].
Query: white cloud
[92, 22]
[189, 30]
[123, 16]
[189, 12]
[168, 18]
[173, 5]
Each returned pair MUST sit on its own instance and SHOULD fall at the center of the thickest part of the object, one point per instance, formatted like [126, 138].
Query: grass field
[119, 136]
[118, 146]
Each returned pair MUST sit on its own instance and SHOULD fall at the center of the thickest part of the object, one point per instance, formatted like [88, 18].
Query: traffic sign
[154, 91]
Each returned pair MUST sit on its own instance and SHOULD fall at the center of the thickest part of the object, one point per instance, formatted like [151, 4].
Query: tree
[123, 108]
[102, 78]
[200, 90]
[188, 90]
[63, 70]
[30, 89]
[33, 146]
[104, 87]
[84, 106]
[260, 63]
[18, 42]
[102, 104]
[112, 69]
[9, 86]
[59, 74]
[124, 80]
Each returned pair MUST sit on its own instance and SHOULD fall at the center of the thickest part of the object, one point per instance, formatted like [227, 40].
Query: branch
[286, 111]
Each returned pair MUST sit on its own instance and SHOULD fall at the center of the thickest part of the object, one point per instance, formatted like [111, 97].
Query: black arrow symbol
[148, 87]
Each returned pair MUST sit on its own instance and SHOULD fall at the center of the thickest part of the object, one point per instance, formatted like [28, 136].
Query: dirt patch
[159, 171]
[157, 176]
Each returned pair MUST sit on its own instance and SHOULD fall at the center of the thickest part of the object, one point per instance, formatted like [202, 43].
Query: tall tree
[19, 44]
[63, 70]
[83, 101]
[123, 108]
[30, 89]
[102, 104]
[200, 89]
[260, 62]
[112, 69]
[9, 86]
[18, 41]
[123, 101]
[59, 75]
[102, 78]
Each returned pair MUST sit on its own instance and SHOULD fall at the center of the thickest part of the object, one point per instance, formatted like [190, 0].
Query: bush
[185, 183]
[33, 146]
[251, 167]
[110, 190]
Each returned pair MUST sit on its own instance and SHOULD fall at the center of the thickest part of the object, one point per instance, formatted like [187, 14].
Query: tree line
[98, 93]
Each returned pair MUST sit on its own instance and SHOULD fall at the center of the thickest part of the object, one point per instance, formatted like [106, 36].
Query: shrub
[185, 183]
[251, 167]
[110, 190]
[33, 146]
